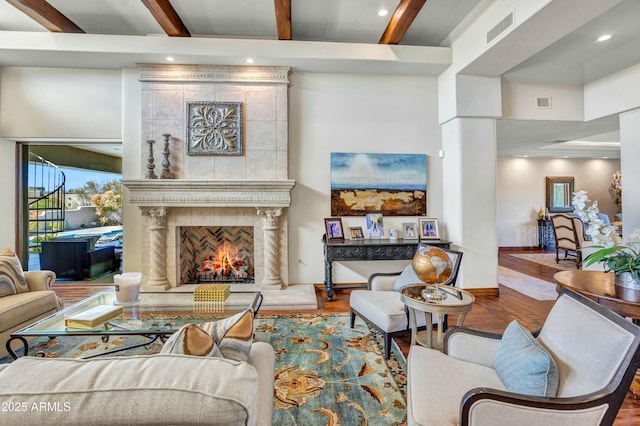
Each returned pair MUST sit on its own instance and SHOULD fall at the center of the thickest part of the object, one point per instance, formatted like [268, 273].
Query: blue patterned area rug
[329, 374]
[326, 373]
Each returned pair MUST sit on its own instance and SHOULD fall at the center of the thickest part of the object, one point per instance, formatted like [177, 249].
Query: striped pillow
[12, 279]
[233, 335]
[229, 338]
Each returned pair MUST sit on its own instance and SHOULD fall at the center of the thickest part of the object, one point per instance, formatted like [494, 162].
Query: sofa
[160, 389]
[22, 309]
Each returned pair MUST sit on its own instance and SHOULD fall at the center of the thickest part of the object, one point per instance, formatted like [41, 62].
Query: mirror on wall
[559, 192]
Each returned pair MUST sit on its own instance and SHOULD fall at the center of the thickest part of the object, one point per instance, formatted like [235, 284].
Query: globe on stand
[432, 266]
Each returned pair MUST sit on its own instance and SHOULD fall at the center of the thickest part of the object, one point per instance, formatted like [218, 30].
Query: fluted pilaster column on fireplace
[271, 229]
[157, 248]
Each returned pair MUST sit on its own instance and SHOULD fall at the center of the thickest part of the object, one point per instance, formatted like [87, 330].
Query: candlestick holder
[166, 164]
[150, 161]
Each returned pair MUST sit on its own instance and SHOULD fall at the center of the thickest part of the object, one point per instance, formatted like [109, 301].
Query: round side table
[454, 301]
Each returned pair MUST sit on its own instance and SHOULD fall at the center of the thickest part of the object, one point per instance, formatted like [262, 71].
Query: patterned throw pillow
[524, 365]
[12, 279]
[191, 340]
[233, 335]
[229, 338]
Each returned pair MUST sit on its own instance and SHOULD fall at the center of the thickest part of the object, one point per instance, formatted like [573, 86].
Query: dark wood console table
[368, 249]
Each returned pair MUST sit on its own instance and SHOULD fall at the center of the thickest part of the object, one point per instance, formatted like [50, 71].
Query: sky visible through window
[78, 178]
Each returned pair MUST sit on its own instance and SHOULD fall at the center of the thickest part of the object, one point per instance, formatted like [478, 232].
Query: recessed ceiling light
[170, 58]
[604, 158]
[383, 12]
[604, 37]
[249, 60]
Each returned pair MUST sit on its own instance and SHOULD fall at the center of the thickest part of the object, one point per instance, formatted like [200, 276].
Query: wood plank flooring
[491, 313]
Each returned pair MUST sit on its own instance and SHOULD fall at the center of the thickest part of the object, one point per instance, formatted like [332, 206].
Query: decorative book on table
[91, 318]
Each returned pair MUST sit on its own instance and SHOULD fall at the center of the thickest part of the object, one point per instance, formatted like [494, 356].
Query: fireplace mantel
[194, 193]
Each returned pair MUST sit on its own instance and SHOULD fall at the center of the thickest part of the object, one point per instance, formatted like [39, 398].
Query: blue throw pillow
[406, 277]
[524, 365]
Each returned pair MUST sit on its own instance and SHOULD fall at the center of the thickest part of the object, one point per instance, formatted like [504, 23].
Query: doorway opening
[72, 209]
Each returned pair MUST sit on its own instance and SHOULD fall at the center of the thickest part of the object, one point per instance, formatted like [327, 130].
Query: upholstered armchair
[569, 234]
[577, 371]
[380, 304]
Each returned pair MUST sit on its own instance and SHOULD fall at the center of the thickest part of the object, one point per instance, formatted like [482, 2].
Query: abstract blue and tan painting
[391, 184]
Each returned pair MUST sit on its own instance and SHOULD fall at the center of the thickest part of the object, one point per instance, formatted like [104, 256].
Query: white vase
[625, 279]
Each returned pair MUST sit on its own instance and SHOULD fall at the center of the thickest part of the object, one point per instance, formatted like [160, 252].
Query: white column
[469, 197]
[629, 154]
[157, 248]
[271, 229]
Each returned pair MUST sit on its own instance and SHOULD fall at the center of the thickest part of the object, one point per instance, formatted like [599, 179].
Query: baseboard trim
[483, 291]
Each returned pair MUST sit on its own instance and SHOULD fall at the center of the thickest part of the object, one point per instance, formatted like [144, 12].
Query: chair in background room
[575, 371]
[380, 305]
[569, 234]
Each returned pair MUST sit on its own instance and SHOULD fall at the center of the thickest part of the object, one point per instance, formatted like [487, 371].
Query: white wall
[521, 192]
[60, 103]
[352, 113]
[7, 194]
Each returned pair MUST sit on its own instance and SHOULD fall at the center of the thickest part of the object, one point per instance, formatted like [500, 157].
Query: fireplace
[250, 190]
[216, 254]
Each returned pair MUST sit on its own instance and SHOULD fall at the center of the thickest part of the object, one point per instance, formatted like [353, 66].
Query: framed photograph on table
[356, 233]
[375, 226]
[429, 229]
[409, 231]
[333, 227]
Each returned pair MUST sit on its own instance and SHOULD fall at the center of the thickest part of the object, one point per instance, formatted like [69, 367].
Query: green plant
[619, 259]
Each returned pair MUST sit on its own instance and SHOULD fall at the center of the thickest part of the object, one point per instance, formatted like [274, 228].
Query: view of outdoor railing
[46, 187]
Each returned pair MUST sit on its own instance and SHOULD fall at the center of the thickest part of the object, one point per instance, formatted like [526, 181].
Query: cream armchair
[596, 353]
[380, 305]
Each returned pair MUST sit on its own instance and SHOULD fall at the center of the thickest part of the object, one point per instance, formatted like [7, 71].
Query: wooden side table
[455, 301]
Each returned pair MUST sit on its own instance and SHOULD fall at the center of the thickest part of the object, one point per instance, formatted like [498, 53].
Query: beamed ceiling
[162, 11]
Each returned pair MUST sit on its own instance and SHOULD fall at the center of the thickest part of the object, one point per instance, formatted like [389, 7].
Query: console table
[546, 238]
[368, 249]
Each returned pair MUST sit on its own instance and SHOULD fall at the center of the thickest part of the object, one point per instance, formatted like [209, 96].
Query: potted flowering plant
[621, 258]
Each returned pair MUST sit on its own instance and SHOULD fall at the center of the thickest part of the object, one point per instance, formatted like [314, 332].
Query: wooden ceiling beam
[46, 15]
[167, 17]
[401, 20]
[283, 18]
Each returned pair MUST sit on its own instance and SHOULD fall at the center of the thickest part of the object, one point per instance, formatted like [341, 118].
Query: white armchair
[596, 352]
[380, 305]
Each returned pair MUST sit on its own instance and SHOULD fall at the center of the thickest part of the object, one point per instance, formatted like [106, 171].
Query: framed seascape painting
[375, 226]
[409, 231]
[333, 228]
[429, 229]
[391, 184]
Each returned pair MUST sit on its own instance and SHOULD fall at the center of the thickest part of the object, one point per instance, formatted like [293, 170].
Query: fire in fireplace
[216, 254]
[227, 265]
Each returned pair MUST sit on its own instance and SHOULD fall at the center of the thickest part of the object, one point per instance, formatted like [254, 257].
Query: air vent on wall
[543, 102]
[500, 27]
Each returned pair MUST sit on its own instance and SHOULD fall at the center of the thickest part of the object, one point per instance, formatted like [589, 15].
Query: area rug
[526, 284]
[547, 259]
[326, 373]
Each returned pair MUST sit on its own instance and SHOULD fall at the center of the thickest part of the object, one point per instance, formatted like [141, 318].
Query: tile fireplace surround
[251, 189]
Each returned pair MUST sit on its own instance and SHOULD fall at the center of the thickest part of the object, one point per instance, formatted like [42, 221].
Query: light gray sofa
[161, 389]
[20, 310]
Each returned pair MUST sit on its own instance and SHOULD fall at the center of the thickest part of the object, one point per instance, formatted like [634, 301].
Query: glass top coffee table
[156, 316]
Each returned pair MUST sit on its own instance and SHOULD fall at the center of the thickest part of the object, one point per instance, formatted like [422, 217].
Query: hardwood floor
[491, 313]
